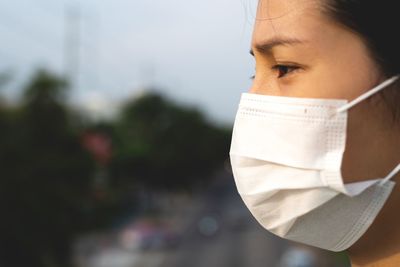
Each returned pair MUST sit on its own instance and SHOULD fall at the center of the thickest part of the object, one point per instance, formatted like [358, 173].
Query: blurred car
[298, 257]
[148, 235]
[208, 226]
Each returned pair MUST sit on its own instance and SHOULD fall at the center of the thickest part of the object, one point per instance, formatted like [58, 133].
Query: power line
[74, 47]
[72, 44]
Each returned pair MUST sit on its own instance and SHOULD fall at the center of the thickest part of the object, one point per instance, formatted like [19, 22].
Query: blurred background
[115, 124]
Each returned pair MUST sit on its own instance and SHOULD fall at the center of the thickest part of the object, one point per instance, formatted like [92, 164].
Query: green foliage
[45, 177]
[165, 146]
[4, 78]
[51, 188]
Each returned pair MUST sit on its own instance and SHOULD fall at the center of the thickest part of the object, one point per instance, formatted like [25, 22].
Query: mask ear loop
[390, 175]
[367, 94]
[362, 98]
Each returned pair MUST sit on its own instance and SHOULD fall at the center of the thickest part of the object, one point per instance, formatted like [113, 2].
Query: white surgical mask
[286, 156]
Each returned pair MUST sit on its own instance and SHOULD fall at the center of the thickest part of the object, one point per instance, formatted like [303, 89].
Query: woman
[316, 142]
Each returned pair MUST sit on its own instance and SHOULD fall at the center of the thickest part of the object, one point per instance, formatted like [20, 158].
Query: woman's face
[321, 59]
[300, 52]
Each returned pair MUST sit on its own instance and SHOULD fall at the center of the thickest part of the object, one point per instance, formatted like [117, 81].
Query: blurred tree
[5, 77]
[165, 146]
[45, 178]
[50, 167]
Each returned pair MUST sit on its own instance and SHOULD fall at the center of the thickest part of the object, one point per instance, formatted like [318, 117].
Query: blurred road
[234, 240]
[218, 231]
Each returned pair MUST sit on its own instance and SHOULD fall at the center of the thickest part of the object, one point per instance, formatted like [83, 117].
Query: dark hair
[376, 22]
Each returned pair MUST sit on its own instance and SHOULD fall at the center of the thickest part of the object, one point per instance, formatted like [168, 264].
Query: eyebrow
[266, 47]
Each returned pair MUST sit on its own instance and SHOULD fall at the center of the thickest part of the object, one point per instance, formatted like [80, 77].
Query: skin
[334, 62]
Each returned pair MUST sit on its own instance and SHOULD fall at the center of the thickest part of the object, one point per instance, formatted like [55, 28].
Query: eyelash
[276, 67]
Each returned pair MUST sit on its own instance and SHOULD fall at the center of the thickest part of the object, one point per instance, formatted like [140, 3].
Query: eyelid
[287, 64]
[293, 68]
[277, 66]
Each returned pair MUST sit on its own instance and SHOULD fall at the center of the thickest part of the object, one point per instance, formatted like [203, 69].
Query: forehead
[293, 18]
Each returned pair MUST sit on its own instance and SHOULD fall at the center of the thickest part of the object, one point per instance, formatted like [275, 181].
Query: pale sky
[195, 52]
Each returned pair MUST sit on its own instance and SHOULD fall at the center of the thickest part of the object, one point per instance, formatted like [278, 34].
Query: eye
[283, 70]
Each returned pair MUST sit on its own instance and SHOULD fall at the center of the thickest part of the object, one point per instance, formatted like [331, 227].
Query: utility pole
[72, 45]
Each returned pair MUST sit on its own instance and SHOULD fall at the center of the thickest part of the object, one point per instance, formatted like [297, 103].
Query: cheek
[331, 76]
[265, 82]
[363, 144]
[332, 80]
[263, 86]
[345, 69]
[346, 80]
